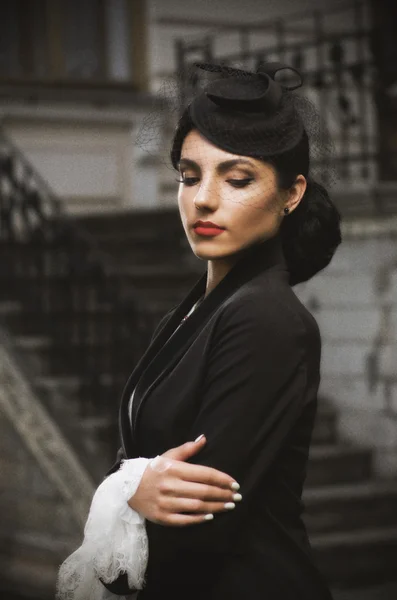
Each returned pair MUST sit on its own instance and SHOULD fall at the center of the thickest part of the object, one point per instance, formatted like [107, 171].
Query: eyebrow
[221, 167]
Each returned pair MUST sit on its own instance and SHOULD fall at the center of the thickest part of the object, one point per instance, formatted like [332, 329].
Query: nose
[206, 195]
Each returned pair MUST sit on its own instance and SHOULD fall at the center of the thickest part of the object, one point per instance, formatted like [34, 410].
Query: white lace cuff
[115, 540]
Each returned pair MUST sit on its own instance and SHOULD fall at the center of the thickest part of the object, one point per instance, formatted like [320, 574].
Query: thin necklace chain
[199, 301]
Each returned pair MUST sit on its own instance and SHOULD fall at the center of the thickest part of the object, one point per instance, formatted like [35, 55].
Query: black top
[243, 369]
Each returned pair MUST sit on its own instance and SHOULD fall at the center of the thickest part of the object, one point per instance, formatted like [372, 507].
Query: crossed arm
[252, 395]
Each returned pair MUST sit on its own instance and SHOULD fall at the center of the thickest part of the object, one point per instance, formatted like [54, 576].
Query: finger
[186, 450]
[180, 520]
[194, 505]
[202, 474]
[187, 489]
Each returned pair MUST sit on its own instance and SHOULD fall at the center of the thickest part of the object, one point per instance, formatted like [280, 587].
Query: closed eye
[238, 183]
[188, 180]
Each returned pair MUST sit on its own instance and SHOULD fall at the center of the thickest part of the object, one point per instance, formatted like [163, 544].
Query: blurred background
[92, 254]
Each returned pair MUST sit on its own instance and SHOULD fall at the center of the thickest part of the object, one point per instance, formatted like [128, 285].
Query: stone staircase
[351, 516]
[44, 491]
[37, 530]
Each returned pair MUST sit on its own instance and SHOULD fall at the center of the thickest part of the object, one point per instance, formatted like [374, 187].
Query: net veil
[261, 114]
[215, 114]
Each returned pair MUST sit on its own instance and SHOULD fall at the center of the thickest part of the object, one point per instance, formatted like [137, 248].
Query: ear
[296, 192]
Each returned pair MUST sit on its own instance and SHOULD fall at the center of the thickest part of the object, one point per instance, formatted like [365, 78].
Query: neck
[218, 269]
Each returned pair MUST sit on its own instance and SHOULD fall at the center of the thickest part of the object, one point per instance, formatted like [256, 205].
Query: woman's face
[236, 192]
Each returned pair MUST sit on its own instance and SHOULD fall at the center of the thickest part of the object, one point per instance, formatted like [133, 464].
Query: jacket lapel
[168, 347]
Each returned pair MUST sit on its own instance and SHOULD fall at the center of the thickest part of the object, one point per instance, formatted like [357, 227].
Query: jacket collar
[169, 345]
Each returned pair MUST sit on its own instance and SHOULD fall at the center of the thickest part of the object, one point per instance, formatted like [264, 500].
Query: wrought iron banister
[94, 324]
[13, 149]
[35, 193]
[334, 49]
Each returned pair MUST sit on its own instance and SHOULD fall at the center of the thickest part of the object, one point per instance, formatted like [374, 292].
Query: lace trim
[115, 540]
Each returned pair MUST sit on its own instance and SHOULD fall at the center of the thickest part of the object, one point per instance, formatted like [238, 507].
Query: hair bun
[311, 233]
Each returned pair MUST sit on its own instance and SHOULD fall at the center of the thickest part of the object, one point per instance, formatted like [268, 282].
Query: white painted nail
[237, 497]
[229, 505]
[235, 486]
[199, 437]
[209, 517]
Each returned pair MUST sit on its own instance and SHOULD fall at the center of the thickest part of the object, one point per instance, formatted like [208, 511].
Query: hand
[171, 487]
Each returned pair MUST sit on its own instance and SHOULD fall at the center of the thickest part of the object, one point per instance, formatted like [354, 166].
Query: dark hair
[311, 232]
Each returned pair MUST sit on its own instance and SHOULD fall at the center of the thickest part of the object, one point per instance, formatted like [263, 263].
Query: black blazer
[244, 369]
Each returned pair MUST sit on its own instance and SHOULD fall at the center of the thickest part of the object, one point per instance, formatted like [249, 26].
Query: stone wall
[355, 303]
[85, 154]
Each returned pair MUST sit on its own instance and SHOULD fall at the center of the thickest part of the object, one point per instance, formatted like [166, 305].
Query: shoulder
[267, 308]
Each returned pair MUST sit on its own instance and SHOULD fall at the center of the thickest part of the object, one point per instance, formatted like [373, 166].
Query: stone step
[112, 354]
[80, 397]
[172, 238]
[345, 559]
[353, 558]
[164, 280]
[31, 562]
[163, 220]
[378, 591]
[33, 512]
[25, 477]
[132, 252]
[335, 464]
[73, 385]
[325, 426]
[89, 321]
[11, 312]
[87, 414]
[350, 506]
[10, 307]
[82, 404]
[174, 274]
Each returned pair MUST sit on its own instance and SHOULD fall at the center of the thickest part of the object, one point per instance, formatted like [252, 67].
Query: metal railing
[335, 51]
[90, 317]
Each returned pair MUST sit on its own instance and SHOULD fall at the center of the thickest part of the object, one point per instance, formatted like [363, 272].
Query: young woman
[220, 518]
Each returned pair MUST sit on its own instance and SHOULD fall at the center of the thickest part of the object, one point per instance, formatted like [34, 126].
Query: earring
[286, 210]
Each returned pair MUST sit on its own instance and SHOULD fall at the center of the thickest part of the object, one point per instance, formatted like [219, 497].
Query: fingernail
[199, 437]
[229, 505]
[209, 517]
[235, 485]
[237, 497]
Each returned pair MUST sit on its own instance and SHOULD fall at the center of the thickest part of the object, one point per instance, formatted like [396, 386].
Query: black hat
[247, 113]
[257, 114]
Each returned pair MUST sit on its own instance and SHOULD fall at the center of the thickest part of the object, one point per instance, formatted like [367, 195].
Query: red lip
[208, 231]
[207, 224]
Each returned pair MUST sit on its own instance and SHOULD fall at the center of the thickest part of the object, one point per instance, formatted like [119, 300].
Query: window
[92, 40]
